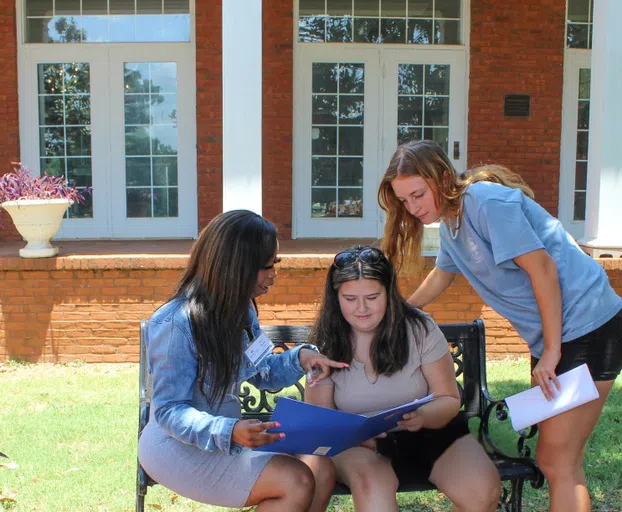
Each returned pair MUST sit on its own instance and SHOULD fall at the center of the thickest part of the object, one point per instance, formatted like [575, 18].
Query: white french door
[119, 120]
[353, 105]
[574, 145]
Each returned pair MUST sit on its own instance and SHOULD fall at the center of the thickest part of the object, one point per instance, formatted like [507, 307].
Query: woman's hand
[412, 421]
[544, 373]
[252, 433]
[317, 366]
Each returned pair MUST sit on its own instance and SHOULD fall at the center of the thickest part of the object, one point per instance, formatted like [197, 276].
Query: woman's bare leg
[560, 453]
[467, 476]
[370, 477]
[285, 483]
[323, 470]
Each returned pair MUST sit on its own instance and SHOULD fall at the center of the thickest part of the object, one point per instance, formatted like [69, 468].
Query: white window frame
[373, 223]
[107, 125]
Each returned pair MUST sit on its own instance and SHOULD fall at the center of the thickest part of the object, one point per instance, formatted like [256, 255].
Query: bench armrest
[500, 410]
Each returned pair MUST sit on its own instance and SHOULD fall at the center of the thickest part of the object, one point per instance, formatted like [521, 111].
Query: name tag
[260, 348]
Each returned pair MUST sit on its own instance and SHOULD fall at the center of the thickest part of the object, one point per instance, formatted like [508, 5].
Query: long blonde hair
[403, 233]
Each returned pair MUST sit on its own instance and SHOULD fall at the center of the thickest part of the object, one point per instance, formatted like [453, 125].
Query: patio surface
[112, 248]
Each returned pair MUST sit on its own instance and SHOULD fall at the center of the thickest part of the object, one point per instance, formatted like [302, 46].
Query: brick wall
[209, 109]
[518, 48]
[89, 308]
[277, 105]
[9, 141]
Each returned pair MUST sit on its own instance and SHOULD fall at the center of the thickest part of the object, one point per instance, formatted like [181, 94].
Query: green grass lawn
[70, 432]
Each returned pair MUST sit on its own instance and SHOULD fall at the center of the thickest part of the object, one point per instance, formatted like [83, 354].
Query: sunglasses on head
[369, 255]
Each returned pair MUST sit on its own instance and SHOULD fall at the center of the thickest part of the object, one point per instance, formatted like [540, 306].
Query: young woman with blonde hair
[525, 266]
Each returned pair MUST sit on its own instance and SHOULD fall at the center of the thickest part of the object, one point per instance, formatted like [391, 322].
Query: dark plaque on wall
[516, 105]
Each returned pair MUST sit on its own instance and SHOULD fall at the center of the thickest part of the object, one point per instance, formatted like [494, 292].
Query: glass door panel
[424, 98]
[574, 147]
[153, 149]
[336, 150]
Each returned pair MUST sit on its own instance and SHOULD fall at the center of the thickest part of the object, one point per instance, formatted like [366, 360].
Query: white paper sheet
[530, 407]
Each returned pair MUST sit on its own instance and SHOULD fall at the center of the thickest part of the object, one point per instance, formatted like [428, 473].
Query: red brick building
[174, 110]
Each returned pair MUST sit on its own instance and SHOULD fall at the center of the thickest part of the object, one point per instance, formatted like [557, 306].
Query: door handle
[456, 150]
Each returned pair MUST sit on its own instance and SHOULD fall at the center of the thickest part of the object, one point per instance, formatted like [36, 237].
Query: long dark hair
[218, 285]
[332, 333]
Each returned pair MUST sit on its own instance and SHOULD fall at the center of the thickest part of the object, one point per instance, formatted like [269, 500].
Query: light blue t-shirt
[501, 223]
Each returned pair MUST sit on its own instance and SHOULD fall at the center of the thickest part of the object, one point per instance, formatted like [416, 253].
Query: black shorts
[601, 349]
[413, 454]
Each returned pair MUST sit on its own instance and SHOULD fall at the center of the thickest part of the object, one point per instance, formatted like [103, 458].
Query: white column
[603, 231]
[241, 108]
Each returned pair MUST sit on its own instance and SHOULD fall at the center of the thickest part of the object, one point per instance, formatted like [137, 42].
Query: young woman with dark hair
[195, 442]
[396, 354]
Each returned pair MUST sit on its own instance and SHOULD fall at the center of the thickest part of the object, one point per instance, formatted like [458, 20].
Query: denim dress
[186, 445]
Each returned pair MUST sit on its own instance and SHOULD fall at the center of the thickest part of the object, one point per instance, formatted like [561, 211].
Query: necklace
[453, 232]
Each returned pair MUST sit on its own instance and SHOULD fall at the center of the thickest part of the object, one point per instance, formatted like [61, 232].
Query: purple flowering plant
[20, 184]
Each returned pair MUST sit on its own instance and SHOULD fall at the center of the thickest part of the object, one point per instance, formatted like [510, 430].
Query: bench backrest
[467, 343]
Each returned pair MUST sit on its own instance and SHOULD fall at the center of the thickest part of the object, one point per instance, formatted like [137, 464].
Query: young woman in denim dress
[525, 266]
[195, 442]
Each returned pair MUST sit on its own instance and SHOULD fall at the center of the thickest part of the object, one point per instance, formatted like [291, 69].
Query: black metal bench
[468, 346]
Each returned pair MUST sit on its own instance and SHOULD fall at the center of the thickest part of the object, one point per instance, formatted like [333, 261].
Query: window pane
[579, 205]
[102, 21]
[436, 80]
[582, 141]
[151, 102]
[324, 141]
[410, 79]
[350, 202]
[339, 7]
[350, 172]
[324, 77]
[579, 10]
[312, 29]
[393, 30]
[337, 152]
[577, 35]
[323, 202]
[393, 9]
[447, 9]
[64, 126]
[138, 202]
[62, 7]
[580, 176]
[408, 134]
[149, 6]
[351, 141]
[323, 171]
[367, 8]
[351, 110]
[410, 110]
[420, 31]
[436, 111]
[121, 6]
[39, 8]
[421, 8]
[311, 7]
[447, 32]
[366, 30]
[176, 7]
[324, 109]
[93, 7]
[339, 30]
[583, 115]
[438, 135]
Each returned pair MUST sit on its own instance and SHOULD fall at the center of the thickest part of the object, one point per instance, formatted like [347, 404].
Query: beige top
[355, 393]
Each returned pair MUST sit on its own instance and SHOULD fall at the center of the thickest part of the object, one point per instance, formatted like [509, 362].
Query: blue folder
[315, 430]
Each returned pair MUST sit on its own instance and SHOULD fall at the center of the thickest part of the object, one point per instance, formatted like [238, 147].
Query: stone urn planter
[37, 205]
[37, 220]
